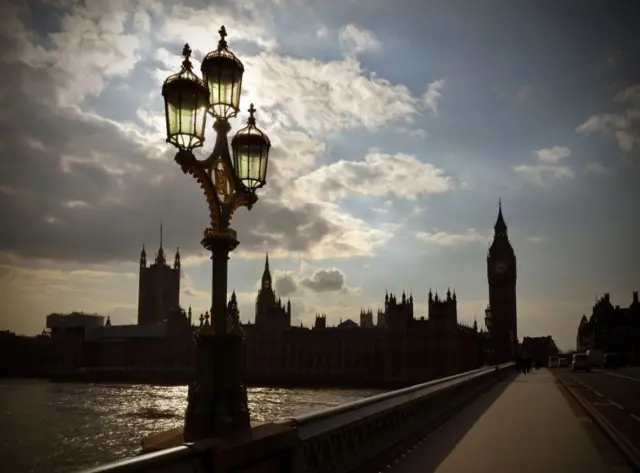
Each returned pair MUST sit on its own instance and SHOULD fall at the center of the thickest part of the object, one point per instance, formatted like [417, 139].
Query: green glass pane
[235, 95]
[173, 122]
[187, 120]
[263, 169]
[201, 115]
[243, 163]
[254, 163]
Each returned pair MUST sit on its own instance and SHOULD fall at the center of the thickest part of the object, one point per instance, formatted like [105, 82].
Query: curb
[630, 453]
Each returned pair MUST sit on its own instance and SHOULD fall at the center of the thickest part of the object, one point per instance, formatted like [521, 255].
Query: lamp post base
[217, 403]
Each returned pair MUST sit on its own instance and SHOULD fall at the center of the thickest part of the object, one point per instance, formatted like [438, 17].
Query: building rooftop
[126, 332]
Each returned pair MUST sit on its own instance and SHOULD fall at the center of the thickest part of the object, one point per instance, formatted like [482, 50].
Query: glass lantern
[251, 154]
[186, 101]
[222, 72]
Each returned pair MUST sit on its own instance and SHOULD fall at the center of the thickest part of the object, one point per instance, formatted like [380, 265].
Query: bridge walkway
[528, 424]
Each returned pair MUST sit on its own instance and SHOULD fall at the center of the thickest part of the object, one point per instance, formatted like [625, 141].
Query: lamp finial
[252, 119]
[186, 52]
[222, 44]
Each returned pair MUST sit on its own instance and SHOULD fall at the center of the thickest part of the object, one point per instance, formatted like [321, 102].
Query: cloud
[355, 40]
[384, 209]
[70, 174]
[324, 280]
[197, 296]
[433, 95]
[596, 168]
[537, 239]
[540, 173]
[444, 239]
[325, 97]
[624, 126]
[552, 155]
[199, 27]
[89, 49]
[284, 283]
[322, 32]
[550, 167]
[378, 175]
[320, 281]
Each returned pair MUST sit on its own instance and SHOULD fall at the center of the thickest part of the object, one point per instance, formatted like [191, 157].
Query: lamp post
[217, 399]
[488, 322]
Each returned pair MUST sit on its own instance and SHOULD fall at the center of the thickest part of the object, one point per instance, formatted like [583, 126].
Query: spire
[143, 257]
[500, 227]
[176, 261]
[160, 259]
[266, 275]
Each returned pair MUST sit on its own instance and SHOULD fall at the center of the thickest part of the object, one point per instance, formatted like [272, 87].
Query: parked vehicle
[554, 362]
[612, 360]
[581, 361]
[563, 362]
[596, 358]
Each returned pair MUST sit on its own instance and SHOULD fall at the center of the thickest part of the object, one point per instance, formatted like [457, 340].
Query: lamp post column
[229, 342]
[218, 402]
[220, 248]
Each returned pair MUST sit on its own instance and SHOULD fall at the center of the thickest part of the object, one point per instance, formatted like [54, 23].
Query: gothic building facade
[395, 350]
[502, 313]
[159, 287]
[612, 329]
[271, 314]
[398, 348]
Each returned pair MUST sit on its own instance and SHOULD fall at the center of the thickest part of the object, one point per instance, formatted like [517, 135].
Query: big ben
[502, 275]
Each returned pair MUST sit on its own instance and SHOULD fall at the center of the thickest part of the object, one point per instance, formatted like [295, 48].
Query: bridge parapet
[346, 438]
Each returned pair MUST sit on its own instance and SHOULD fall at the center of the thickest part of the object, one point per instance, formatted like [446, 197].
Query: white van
[554, 362]
[581, 362]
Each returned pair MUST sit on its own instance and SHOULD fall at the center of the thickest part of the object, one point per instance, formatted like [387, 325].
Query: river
[60, 427]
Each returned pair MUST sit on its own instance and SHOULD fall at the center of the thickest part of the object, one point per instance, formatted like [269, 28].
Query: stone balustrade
[354, 437]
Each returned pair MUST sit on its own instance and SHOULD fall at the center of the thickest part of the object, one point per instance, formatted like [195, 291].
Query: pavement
[528, 424]
[613, 398]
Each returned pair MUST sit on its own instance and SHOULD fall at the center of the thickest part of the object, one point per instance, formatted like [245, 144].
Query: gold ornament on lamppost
[217, 400]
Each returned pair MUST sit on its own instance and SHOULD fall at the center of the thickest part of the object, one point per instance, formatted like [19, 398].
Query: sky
[396, 127]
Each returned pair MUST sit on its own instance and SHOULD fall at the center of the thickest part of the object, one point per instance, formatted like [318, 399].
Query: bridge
[491, 419]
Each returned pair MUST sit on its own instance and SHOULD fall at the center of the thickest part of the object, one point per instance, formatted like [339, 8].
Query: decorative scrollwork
[220, 175]
[217, 232]
[209, 191]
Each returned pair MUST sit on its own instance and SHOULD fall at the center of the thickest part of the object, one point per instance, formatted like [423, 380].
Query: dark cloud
[324, 280]
[78, 187]
[285, 284]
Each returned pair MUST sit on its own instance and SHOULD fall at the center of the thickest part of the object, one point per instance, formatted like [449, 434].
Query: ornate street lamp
[217, 399]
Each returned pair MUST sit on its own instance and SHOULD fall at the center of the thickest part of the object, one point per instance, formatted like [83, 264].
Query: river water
[60, 427]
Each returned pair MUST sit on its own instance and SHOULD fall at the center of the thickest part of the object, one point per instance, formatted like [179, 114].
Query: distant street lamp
[488, 322]
[217, 399]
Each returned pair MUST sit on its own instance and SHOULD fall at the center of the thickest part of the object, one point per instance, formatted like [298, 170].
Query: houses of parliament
[390, 348]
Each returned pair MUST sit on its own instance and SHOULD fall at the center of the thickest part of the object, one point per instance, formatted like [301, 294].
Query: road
[613, 393]
[527, 424]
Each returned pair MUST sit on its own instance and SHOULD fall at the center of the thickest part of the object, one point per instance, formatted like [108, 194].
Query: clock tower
[501, 273]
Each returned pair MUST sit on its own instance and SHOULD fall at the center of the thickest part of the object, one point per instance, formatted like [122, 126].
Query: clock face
[500, 267]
